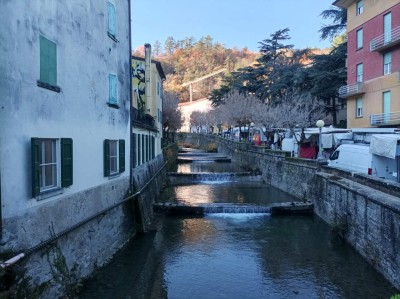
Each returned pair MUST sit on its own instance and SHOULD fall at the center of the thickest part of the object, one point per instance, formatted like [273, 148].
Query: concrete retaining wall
[364, 210]
[56, 268]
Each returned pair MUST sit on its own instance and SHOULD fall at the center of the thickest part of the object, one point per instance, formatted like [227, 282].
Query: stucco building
[147, 93]
[65, 90]
[373, 63]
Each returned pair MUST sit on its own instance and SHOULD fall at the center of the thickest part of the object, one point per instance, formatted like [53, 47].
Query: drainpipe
[147, 76]
[130, 101]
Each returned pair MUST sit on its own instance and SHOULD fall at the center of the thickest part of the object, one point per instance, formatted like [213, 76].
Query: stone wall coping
[381, 198]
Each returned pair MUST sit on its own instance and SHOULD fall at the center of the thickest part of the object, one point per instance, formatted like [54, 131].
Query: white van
[352, 157]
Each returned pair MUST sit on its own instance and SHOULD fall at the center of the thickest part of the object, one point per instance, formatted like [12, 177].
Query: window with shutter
[113, 91]
[52, 165]
[111, 19]
[114, 157]
[48, 65]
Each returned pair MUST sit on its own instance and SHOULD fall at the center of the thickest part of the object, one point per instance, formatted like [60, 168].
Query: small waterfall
[236, 209]
[212, 177]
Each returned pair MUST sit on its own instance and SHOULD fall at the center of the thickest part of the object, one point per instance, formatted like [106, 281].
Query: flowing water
[236, 255]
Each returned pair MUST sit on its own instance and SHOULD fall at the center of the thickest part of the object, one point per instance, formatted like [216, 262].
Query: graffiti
[139, 84]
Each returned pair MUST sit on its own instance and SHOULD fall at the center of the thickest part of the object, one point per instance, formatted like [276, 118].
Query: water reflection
[208, 167]
[236, 255]
[239, 256]
[224, 192]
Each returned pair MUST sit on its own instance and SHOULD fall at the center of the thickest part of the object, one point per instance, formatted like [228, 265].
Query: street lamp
[320, 124]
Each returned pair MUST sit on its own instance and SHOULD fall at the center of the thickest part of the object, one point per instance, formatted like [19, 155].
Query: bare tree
[295, 111]
[199, 120]
[239, 108]
[171, 116]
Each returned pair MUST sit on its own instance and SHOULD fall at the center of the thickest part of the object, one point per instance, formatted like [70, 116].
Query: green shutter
[66, 162]
[121, 148]
[111, 18]
[153, 148]
[134, 150]
[36, 157]
[112, 85]
[143, 149]
[52, 63]
[107, 157]
[48, 61]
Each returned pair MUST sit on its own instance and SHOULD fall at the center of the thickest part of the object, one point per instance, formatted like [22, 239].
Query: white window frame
[359, 107]
[56, 162]
[114, 157]
[387, 63]
[359, 7]
[359, 74]
[360, 39]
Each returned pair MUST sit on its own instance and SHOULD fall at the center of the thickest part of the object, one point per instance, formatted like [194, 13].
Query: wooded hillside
[186, 60]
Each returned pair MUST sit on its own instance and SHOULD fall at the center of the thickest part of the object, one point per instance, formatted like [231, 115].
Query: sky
[233, 23]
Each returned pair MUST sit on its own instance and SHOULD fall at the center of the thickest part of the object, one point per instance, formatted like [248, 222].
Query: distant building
[373, 63]
[147, 93]
[187, 108]
[64, 130]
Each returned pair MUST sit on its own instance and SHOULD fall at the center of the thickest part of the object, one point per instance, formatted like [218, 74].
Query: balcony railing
[385, 41]
[350, 90]
[385, 119]
[143, 120]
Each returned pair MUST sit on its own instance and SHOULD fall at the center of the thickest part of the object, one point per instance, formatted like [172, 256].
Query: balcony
[385, 41]
[350, 90]
[142, 120]
[385, 119]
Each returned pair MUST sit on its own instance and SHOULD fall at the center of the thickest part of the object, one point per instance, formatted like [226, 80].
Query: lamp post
[320, 123]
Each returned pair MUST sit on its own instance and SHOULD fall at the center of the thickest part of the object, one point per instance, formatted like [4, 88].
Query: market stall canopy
[385, 145]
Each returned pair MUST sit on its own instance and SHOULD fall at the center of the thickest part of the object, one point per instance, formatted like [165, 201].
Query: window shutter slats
[66, 162]
[35, 153]
[106, 157]
[121, 148]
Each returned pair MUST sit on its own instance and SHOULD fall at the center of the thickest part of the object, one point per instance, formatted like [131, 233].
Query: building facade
[64, 133]
[147, 93]
[373, 63]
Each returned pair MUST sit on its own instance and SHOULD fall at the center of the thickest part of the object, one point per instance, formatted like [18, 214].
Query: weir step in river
[287, 208]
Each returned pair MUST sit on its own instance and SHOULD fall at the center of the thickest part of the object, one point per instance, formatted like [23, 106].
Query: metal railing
[385, 40]
[383, 119]
[143, 120]
[352, 89]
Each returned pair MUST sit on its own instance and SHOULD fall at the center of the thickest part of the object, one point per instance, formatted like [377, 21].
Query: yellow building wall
[373, 100]
[372, 8]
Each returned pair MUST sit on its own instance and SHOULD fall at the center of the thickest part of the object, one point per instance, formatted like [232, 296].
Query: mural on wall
[139, 84]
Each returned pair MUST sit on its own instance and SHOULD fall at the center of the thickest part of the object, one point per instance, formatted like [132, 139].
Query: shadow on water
[236, 255]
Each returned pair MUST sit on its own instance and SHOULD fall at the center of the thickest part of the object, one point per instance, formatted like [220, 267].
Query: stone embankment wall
[362, 209]
[86, 236]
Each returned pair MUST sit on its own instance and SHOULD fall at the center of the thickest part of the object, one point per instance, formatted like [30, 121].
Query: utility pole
[190, 83]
